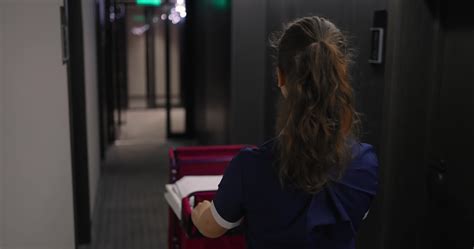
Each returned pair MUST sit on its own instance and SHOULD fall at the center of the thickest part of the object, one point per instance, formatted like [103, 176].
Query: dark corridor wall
[207, 68]
[429, 107]
[248, 60]
[409, 79]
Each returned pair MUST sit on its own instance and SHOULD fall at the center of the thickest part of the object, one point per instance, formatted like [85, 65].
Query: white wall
[160, 60]
[136, 55]
[92, 106]
[175, 60]
[36, 186]
[2, 104]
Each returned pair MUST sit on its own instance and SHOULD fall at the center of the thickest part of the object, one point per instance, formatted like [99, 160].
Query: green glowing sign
[222, 4]
[149, 2]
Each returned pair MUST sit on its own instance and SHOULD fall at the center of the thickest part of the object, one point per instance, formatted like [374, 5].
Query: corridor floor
[131, 212]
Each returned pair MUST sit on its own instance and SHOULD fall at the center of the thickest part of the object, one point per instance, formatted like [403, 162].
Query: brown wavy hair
[317, 121]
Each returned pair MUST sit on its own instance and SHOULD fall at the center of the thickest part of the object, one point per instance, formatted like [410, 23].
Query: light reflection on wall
[140, 30]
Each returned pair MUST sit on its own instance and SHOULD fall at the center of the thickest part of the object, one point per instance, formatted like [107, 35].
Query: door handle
[440, 166]
[438, 171]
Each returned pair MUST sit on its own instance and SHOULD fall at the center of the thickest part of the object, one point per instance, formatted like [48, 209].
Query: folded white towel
[186, 186]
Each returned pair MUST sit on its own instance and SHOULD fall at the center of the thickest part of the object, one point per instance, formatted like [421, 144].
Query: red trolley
[192, 161]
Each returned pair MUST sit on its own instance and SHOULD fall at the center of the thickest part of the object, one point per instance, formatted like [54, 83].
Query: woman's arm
[205, 222]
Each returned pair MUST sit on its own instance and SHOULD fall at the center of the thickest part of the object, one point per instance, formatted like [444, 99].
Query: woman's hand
[205, 222]
[198, 210]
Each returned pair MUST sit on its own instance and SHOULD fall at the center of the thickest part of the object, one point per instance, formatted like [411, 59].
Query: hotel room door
[451, 150]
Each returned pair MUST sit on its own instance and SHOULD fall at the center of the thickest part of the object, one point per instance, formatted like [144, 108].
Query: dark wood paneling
[428, 119]
[248, 71]
[412, 42]
[451, 212]
[208, 68]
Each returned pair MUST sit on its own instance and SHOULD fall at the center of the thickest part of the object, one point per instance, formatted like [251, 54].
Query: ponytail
[317, 119]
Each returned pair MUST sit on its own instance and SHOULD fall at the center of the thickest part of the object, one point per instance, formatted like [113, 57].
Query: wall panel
[136, 49]
[207, 68]
[412, 45]
[248, 72]
[2, 138]
[160, 61]
[37, 194]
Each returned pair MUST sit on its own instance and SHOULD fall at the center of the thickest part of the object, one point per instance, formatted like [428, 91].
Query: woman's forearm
[205, 222]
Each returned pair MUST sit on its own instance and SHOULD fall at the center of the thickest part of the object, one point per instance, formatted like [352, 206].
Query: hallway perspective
[131, 212]
[234, 124]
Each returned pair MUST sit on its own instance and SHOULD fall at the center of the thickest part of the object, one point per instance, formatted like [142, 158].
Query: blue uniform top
[276, 217]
